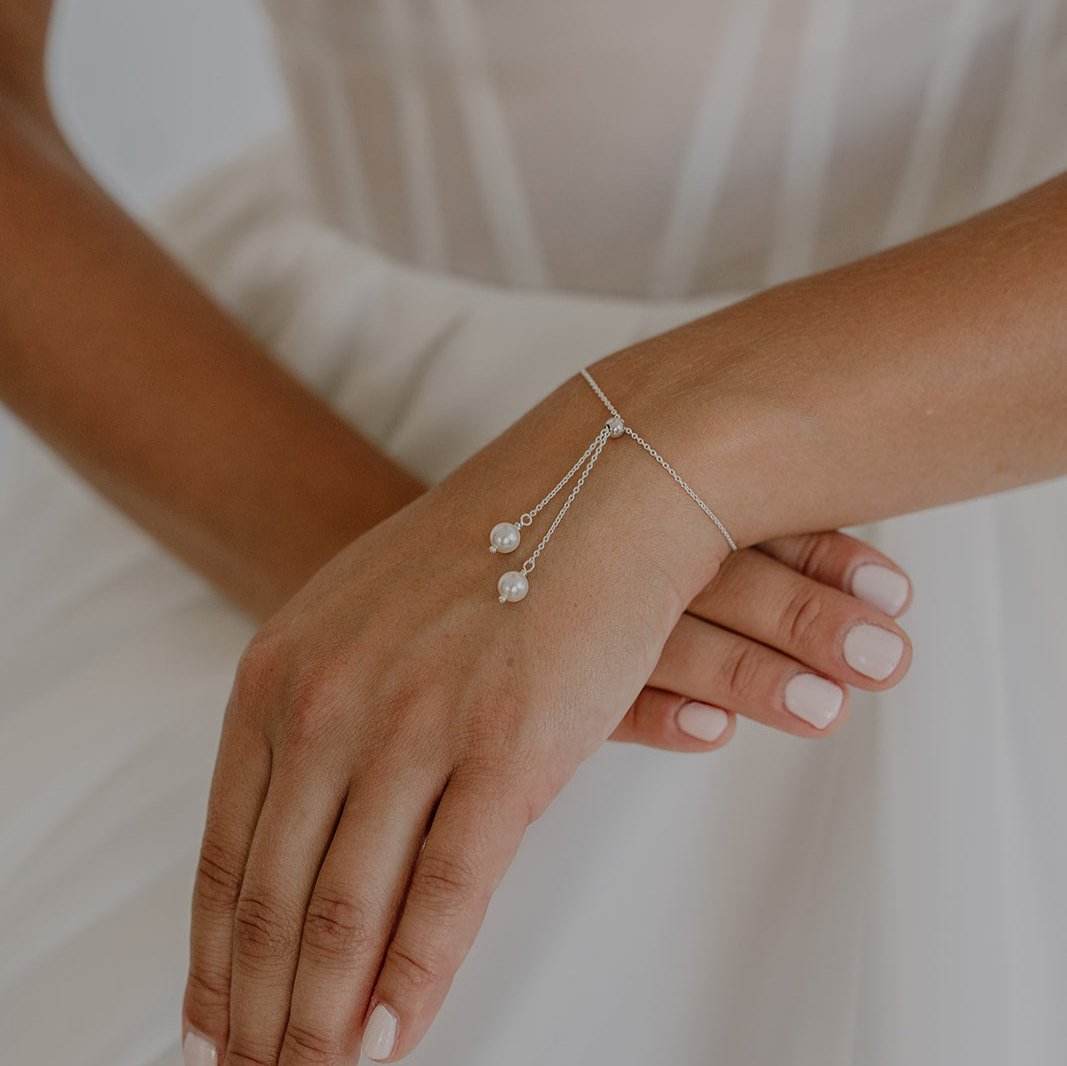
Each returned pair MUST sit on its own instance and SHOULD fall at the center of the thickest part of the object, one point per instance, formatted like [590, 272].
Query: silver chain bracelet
[505, 537]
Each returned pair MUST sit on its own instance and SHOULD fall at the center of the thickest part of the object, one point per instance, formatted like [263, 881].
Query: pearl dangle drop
[512, 586]
[505, 537]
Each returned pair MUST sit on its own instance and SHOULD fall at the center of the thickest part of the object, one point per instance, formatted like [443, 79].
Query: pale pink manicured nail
[197, 1050]
[814, 699]
[379, 1038]
[872, 650]
[881, 587]
[702, 721]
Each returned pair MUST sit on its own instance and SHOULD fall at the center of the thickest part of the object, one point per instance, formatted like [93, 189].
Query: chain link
[685, 488]
[593, 451]
[600, 392]
[659, 459]
[528, 517]
[613, 428]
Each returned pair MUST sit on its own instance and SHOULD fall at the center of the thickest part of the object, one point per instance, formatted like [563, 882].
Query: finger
[724, 669]
[828, 630]
[238, 788]
[294, 829]
[352, 912]
[663, 719]
[848, 564]
[471, 843]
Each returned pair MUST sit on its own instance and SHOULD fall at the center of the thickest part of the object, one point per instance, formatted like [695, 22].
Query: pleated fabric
[671, 150]
[425, 250]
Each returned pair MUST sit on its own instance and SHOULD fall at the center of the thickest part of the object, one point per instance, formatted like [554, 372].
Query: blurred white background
[152, 91]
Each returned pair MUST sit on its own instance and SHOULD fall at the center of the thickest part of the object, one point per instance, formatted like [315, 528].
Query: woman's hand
[391, 733]
[797, 607]
[776, 636]
[393, 730]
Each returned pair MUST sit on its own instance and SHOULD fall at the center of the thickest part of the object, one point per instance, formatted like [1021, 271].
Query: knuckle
[491, 769]
[337, 929]
[415, 971]
[523, 753]
[218, 876]
[258, 663]
[313, 698]
[516, 785]
[207, 993]
[742, 669]
[816, 553]
[242, 1053]
[801, 615]
[443, 884]
[261, 932]
[308, 1047]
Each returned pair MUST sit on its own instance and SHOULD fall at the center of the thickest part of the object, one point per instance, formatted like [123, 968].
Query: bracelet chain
[506, 537]
[662, 462]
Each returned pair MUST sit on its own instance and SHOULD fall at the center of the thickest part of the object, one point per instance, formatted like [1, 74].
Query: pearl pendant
[512, 586]
[504, 537]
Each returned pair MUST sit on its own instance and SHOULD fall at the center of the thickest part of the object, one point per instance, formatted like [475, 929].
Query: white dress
[476, 198]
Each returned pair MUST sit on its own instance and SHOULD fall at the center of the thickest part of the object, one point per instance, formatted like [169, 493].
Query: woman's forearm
[929, 373]
[118, 360]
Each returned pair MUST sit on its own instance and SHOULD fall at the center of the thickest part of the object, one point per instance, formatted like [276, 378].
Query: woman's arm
[118, 360]
[932, 372]
[113, 355]
[927, 374]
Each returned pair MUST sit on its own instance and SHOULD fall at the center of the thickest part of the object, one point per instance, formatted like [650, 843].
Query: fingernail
[197, 1050]
[380, 1036]
[814, 699]
[702, 721]
[872, 650]
[881, 587]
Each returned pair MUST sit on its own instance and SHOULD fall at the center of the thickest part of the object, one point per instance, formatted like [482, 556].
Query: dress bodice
[668, 149]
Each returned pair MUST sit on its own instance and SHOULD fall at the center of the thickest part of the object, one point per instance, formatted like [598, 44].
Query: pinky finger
[471, 842]
[661, 719]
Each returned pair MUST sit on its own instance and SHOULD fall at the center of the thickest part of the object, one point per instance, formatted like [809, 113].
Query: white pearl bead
[505, 537]
[512, 586]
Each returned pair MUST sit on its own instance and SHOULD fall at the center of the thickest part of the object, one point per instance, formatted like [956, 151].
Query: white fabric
[892, 894]
[670, 149]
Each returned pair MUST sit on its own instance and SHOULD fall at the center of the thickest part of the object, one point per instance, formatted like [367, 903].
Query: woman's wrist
[929, 373]
[647, 539]
[714, 423]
